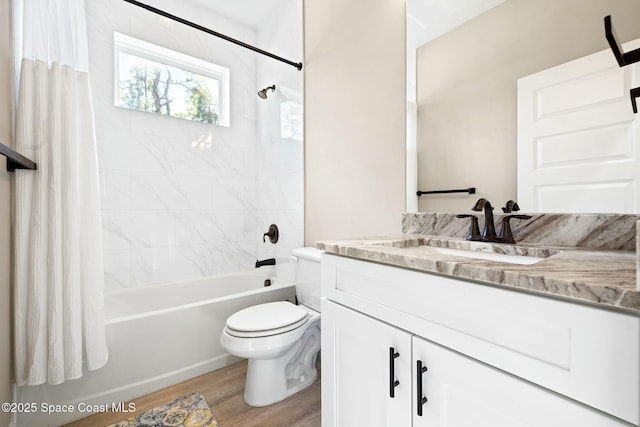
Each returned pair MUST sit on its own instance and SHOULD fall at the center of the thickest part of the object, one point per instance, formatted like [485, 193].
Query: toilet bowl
[280, 339]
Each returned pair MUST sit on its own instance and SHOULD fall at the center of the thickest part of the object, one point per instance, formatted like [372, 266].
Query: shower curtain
[59, 274]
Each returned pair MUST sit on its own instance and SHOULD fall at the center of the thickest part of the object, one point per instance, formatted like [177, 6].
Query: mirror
[462, 73]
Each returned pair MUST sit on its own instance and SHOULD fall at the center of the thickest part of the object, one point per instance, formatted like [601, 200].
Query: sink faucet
[489, 231]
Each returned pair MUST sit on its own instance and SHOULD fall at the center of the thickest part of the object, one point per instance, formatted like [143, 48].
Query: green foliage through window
[152, 79]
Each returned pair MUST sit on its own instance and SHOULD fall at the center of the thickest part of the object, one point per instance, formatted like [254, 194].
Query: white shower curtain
[59, 275]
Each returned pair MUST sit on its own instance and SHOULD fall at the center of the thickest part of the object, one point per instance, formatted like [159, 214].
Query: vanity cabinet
[356, 361]
[501, 359]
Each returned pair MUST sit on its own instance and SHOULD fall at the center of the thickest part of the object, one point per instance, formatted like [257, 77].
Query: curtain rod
[298, 65]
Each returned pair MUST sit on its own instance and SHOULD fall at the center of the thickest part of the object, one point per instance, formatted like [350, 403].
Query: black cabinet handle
[393, 383]
[421, 399]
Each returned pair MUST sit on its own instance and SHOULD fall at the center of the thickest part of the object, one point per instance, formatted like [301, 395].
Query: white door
[462, 392]
[356, 371]
[578, 139]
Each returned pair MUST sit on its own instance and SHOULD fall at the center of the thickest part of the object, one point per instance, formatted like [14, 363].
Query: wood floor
[223, 390]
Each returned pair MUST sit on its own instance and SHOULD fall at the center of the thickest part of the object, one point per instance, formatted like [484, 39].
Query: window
[159, 80]
[290, 114]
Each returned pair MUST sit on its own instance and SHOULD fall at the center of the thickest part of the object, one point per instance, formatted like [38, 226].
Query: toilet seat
[266, 319]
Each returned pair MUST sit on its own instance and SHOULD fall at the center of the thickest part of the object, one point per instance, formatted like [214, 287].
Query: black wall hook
[634, 93]
[623, 58]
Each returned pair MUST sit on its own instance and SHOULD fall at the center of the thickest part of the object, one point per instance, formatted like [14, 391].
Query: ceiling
[428, 19]
[249, 12]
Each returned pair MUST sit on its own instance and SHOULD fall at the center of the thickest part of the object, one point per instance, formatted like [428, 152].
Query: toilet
[280, 339]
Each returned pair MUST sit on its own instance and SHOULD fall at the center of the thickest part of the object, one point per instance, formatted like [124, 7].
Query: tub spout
[270, 261]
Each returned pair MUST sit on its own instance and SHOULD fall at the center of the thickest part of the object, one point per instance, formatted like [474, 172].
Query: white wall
[354, 118]
[6, 374]
[466, 90]
[172, 211]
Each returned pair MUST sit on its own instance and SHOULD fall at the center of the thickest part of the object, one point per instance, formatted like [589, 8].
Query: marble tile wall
[172, 211]
[280, 164]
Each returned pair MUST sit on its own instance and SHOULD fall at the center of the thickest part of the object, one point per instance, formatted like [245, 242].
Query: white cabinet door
[578, 139]
[462, 392]
[356, 369]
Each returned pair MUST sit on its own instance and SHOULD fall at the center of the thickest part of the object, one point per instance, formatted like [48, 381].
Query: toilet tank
[306, 273]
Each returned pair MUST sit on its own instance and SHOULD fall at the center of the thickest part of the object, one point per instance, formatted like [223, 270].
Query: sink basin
[489, 256]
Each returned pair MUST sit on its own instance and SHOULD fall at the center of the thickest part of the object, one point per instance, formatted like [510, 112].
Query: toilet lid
[280, 315]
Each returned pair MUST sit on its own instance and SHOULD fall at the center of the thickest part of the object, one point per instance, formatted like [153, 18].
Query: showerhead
[263, 93]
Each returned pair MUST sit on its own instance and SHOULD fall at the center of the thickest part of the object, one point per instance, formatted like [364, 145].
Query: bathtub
[158, 336]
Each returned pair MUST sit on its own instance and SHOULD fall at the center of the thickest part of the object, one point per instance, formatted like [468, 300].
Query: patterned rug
[186, 411]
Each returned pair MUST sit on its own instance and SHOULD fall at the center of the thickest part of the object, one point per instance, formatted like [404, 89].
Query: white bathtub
[158, 336]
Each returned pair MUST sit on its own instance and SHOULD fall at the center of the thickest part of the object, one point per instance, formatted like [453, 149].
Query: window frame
[146, 50]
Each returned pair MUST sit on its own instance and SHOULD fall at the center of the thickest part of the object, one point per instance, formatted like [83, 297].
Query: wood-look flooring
[223, 390]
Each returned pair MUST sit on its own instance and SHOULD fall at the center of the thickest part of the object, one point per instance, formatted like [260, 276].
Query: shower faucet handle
[272, 233]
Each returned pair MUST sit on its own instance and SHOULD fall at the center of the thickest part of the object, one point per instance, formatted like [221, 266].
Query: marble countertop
[603, 277]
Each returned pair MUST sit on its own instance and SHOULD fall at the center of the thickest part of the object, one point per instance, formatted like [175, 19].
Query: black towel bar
[470, 190]
[16, 160]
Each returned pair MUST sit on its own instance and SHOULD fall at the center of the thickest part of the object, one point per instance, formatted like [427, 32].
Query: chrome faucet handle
[474, 229]
[506, 236]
